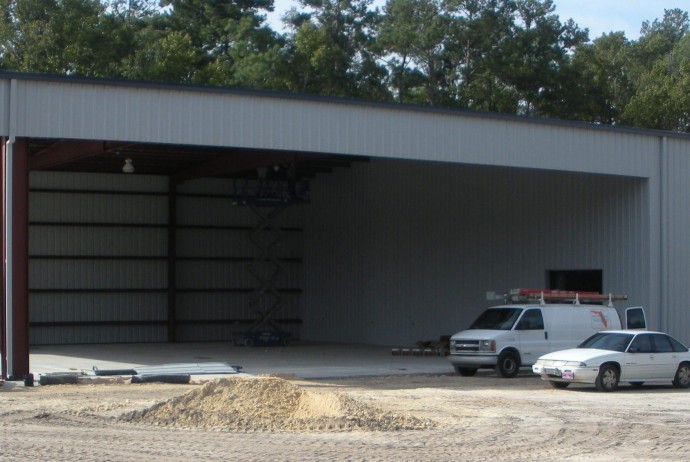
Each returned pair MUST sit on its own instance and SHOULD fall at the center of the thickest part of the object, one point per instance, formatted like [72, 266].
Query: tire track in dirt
[479, 419]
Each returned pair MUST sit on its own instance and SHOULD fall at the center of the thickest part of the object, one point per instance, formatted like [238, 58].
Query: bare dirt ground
[415, 418]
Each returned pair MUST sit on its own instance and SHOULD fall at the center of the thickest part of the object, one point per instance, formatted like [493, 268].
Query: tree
[604, 75]
[412, 39]
[56, 36]
[658, 70]
[230, 37]
[662, 99]
[536, 56]
[479, 31]
[161, 57]
[330, 47]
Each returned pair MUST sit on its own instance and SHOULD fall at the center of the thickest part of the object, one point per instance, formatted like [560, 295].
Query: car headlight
[575, 363]
[540, 362]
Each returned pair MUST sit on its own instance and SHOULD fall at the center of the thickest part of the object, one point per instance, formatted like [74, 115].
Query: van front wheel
[508, 365]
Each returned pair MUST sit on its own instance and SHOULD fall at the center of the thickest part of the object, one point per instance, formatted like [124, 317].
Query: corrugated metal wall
[214, 269]
[98, 266]
[406, 251]
[674, 248]
[5, 106]
[394, 251]
[274, 121]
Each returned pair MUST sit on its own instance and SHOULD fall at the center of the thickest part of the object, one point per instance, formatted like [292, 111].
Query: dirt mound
[274, 404]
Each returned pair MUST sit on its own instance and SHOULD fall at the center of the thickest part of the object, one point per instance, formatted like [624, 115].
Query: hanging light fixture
[128, 167]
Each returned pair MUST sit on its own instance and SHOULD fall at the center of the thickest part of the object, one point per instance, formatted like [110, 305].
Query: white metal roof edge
[76, 80]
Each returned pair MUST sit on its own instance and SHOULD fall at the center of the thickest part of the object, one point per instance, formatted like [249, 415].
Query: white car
[607, 358]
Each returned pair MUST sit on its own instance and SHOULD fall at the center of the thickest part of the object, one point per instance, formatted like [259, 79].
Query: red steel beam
[18, 266]
[66, 151]
[21, 257]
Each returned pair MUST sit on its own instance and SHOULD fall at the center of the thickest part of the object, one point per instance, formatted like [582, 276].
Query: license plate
[551, 371]
[568, 375]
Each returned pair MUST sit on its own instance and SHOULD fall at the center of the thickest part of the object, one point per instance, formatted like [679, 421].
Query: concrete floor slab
[308, 361]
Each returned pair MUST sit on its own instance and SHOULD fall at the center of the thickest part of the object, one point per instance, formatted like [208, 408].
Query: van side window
[636, 319]
[531, 320]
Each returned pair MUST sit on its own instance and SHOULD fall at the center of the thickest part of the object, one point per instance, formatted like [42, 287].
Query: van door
[635, 318]
[532, 336]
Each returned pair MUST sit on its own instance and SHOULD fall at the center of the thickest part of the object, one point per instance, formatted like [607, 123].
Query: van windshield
[497, 319]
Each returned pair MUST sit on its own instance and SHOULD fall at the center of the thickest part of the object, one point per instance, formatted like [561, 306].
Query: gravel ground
[464, 418]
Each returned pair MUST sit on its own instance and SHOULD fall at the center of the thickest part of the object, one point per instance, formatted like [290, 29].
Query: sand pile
[259, 404]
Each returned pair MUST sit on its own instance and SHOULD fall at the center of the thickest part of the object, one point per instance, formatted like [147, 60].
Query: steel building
[398, 224]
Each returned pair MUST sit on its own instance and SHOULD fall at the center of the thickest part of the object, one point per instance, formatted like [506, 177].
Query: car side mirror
[633, 350]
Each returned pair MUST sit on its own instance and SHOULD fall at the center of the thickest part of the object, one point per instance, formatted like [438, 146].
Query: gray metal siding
[113, 241]
[81, 260]
[97, 307]
[168, 115]
[405, 251]
[101, 256]
[4, 107]
[675, 246]
[213, 247]
[229, 243]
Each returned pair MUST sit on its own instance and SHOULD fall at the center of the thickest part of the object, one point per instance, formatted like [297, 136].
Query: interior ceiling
[179, 161]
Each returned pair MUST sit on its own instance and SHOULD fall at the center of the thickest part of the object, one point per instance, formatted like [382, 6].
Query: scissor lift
[268, 200]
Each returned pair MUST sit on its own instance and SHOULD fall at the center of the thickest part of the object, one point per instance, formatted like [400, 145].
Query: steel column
[15, 252]
[3, 305]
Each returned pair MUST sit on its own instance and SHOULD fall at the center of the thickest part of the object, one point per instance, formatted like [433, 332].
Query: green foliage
[56, 36]
[662, 99]
[413, 38]
[605, 86]
[660, 69]
[480, 36]
[330, 49]
[161, 57]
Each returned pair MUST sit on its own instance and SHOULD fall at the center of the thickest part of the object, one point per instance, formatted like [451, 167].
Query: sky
[599, 16]
[604, 16]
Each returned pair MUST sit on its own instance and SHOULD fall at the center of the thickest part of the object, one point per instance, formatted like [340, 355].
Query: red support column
[17, 344]
[20, 224]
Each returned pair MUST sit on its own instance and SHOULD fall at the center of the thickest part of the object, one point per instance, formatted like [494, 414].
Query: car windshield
[497, 318]
[608, 341]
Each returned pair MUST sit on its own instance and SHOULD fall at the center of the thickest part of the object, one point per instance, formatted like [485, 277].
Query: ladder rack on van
[561, 296]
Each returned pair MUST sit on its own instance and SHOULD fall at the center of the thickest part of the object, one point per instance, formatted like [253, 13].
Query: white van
[514, 335]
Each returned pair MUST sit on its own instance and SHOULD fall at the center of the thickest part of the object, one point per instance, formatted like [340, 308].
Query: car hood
[579, 354]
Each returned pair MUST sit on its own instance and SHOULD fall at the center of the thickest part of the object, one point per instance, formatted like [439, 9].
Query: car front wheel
[682, 378]
[608, 377]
